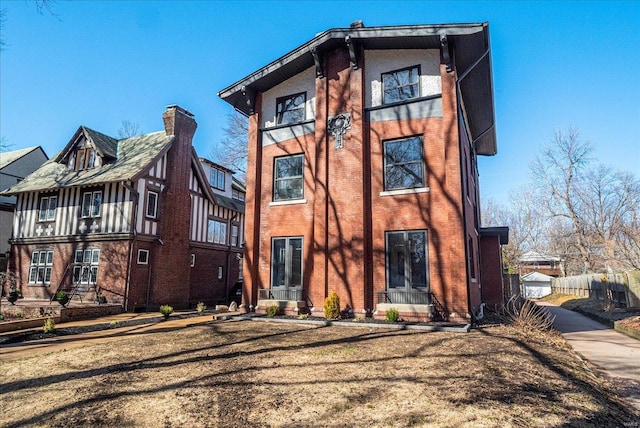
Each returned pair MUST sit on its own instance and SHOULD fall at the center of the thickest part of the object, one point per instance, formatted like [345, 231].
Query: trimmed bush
[332, 306]
[166, 310]
[201, 307]
[273, 310]
[49, 325]
[392, 315]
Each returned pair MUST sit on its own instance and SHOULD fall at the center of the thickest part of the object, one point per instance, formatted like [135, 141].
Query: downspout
[226, 295]
[132, 241]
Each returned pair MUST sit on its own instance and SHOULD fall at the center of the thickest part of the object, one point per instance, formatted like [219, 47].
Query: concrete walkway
[615, 354]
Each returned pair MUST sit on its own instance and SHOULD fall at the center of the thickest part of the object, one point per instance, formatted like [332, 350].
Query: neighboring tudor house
[362, 175]
[14, 167]
[134, 219]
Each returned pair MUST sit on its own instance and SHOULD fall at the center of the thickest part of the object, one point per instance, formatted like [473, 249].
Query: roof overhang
[502, 232]
[469, 46]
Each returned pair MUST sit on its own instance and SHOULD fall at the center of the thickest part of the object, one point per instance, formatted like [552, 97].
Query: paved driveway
[616, 354]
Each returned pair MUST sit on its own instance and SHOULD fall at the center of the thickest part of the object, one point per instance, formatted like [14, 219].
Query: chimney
[174, 112]
[357, 24]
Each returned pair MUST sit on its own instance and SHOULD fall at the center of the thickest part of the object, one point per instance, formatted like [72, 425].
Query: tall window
[91, 202]
[47, 208]
[401, 85]
[288, 178]
[41, 265]
[86, 269]
[216, 178]
[217, 232]
[152, 204]
[234, 234]
[290, 109]
[406, 259]
[286, 262]
[403, 164]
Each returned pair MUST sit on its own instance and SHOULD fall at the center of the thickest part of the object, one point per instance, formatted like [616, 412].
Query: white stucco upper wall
[303, 82]
[384, 61]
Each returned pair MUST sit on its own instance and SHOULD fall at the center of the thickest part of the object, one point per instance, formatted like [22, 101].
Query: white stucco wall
[383, 61]
[303, 82]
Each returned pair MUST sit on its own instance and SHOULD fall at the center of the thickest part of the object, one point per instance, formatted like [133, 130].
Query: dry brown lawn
[265, 374]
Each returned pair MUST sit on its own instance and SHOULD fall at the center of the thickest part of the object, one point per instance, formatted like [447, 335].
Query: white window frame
[91, 201]
[152, 208]
[87, 261]
[48, 205]
[217, 231]
[41, 267]
[143, 260]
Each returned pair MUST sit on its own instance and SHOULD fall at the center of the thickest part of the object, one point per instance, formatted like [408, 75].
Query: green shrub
[392, 315]
[273, 310]
[49, 325]
[201, 307]
[60, 295]
[166, 310]
[303, 316]
[332, 306]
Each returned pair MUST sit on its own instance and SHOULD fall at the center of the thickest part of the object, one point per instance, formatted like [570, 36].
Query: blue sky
[555, 64]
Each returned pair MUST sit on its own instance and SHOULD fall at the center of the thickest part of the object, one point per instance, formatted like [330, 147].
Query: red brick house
[135, 219]
[362, 175]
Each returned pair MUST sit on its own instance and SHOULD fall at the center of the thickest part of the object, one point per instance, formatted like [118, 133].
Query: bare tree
[232, 151]
[129, 129]
[559, 170]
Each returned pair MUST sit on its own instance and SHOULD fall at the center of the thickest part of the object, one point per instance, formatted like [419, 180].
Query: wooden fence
[621, 290]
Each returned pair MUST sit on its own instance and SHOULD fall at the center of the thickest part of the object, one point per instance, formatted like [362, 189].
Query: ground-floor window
[406, 260]
[286, 262]
[85, 270]
[41, 265]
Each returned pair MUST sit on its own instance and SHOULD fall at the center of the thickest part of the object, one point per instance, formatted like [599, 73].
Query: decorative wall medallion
[337, 126]
[94, 226]
[49, 229]
[83, 227]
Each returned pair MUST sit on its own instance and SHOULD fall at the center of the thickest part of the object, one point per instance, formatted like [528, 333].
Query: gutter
[136, 201]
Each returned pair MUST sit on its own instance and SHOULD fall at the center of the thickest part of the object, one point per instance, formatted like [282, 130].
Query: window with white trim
[47, 208]
[291, 109]
[41, 266]
[403, 164]
[143, 257]
[152, 204]
[401, 85]
[288, 178]
[216, 178]
[234, 234]
[85, 269]
[217, 232]
[91, 203]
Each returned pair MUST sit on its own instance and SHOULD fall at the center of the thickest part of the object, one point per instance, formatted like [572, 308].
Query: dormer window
[290, 109]
[216, 178]
[85, 159]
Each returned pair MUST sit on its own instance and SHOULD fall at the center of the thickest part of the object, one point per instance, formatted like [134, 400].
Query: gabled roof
[134, 156]
[536, 277]
[238, 185]
[534, 256]
[470, 51]
[7, 158]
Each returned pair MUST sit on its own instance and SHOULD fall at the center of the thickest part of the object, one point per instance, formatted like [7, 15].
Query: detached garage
[536, 285]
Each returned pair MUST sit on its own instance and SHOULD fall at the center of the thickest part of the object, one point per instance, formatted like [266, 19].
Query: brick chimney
[171, 276]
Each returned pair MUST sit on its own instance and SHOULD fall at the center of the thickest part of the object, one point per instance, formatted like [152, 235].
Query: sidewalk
[616, 355]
